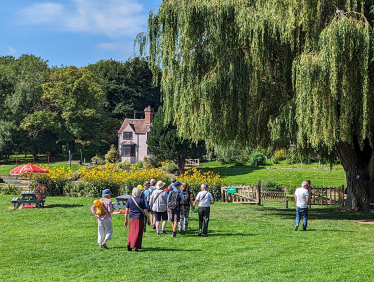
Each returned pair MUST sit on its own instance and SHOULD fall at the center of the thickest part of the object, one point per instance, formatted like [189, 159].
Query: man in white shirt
[302, 201]
[205, 199]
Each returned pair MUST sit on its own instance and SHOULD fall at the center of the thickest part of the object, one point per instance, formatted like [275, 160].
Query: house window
[127, 136]
[128, 150]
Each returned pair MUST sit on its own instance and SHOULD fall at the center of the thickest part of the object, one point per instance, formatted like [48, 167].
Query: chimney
[149, 114]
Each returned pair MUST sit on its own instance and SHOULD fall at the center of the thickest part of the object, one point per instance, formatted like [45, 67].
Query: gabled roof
[138, 125]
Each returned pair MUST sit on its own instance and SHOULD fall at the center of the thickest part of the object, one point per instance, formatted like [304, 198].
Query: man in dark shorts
[175, 206]
[158, 202]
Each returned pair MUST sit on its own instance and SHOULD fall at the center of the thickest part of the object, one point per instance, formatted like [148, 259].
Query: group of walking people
[155, 205]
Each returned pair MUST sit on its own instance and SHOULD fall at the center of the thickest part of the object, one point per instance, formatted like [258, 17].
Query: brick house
[132, 137]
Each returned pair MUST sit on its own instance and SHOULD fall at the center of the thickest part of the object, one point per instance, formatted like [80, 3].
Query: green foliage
[97, 160]
[257, 159]
[239, 70]
[170, 167]
[112, 156]
[11, 190]
[269, 185]
[165, 144]
[73, 104]
[128, 86]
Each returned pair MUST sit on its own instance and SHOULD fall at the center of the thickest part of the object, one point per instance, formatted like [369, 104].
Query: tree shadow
[51, 206]
[167, 250]
[331, 213]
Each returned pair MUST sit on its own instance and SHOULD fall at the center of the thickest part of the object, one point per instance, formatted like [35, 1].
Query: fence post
[258, 193]
[222, 198]
[342, 196]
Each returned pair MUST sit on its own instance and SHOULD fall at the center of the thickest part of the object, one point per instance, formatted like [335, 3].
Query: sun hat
[173, 179]
[106, 192]
[153, 181]
[160, 184]
[147, 183]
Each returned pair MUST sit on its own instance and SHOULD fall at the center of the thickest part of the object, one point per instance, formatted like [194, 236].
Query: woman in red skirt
[137, 212]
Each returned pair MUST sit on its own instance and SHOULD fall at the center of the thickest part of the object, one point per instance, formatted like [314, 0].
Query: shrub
[153, 161]
[194, 178]
[269, 185]
[54, 181]
[11, 190]
[170, 167]
[98, 160]
[112, 156]
[257, 159]
[279, 155]
[241, 158]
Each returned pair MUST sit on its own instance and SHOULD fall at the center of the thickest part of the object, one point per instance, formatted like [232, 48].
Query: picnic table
[28, 197]
[121, 201]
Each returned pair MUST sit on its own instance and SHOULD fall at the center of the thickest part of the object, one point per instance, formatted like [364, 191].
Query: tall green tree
[267, 72]
[165, 144]
[21, 83]
[128, 86]
[71, 108]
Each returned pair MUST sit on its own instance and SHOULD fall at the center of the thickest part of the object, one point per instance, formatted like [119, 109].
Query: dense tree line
[52, 110]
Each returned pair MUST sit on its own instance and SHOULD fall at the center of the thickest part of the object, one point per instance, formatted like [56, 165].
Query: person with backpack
[158, 202]
[187, 199]
[172, 181]
[104, 219]
[175, 207]
[205, 199]
[135, 215]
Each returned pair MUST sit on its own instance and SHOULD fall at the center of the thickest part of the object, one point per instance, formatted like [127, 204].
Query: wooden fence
[253, 195]
[327, 196]
[273, 196]
[243, 195]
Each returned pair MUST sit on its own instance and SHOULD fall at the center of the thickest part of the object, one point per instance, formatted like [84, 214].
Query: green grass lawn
[246, 243]
[285, 176]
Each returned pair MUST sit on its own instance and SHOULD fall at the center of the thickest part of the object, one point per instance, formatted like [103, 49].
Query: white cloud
[11, 50]
[114, 18]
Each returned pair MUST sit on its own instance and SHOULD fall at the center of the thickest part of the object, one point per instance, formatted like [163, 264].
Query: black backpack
[174, 200]
[186, 197]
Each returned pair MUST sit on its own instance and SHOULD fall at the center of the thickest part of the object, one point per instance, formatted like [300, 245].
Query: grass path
[246, 243]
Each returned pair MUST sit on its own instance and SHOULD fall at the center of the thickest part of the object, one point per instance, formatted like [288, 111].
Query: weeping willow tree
[266, 72]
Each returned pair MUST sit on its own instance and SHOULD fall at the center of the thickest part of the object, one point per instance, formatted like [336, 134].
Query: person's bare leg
[158, 227]
[164, 224]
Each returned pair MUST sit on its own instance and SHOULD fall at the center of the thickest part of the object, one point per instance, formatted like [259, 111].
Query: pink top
[108, 205]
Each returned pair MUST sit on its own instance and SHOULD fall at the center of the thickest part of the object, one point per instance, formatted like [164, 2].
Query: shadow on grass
[159, 250]
[331, 213]
[328, 230]
[51, 206]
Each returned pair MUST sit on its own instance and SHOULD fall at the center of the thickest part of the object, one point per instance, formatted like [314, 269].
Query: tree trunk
[181, 164]
[358, 166]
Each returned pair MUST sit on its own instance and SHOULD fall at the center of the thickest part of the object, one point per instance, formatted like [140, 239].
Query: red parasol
[29, 168]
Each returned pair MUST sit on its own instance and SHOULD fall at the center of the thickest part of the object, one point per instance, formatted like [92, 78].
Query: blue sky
[72, 32]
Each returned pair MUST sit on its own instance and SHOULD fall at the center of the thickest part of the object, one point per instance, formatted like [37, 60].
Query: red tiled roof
[138, 125]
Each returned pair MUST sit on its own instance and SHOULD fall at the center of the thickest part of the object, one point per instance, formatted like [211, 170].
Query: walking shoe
[128, 248]
[163, 232]
[174, 234]
[199, 234]
[154, 226]
[180, 230]
[205, 235]
[158, 233]
[296, 227]
[105, 246]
